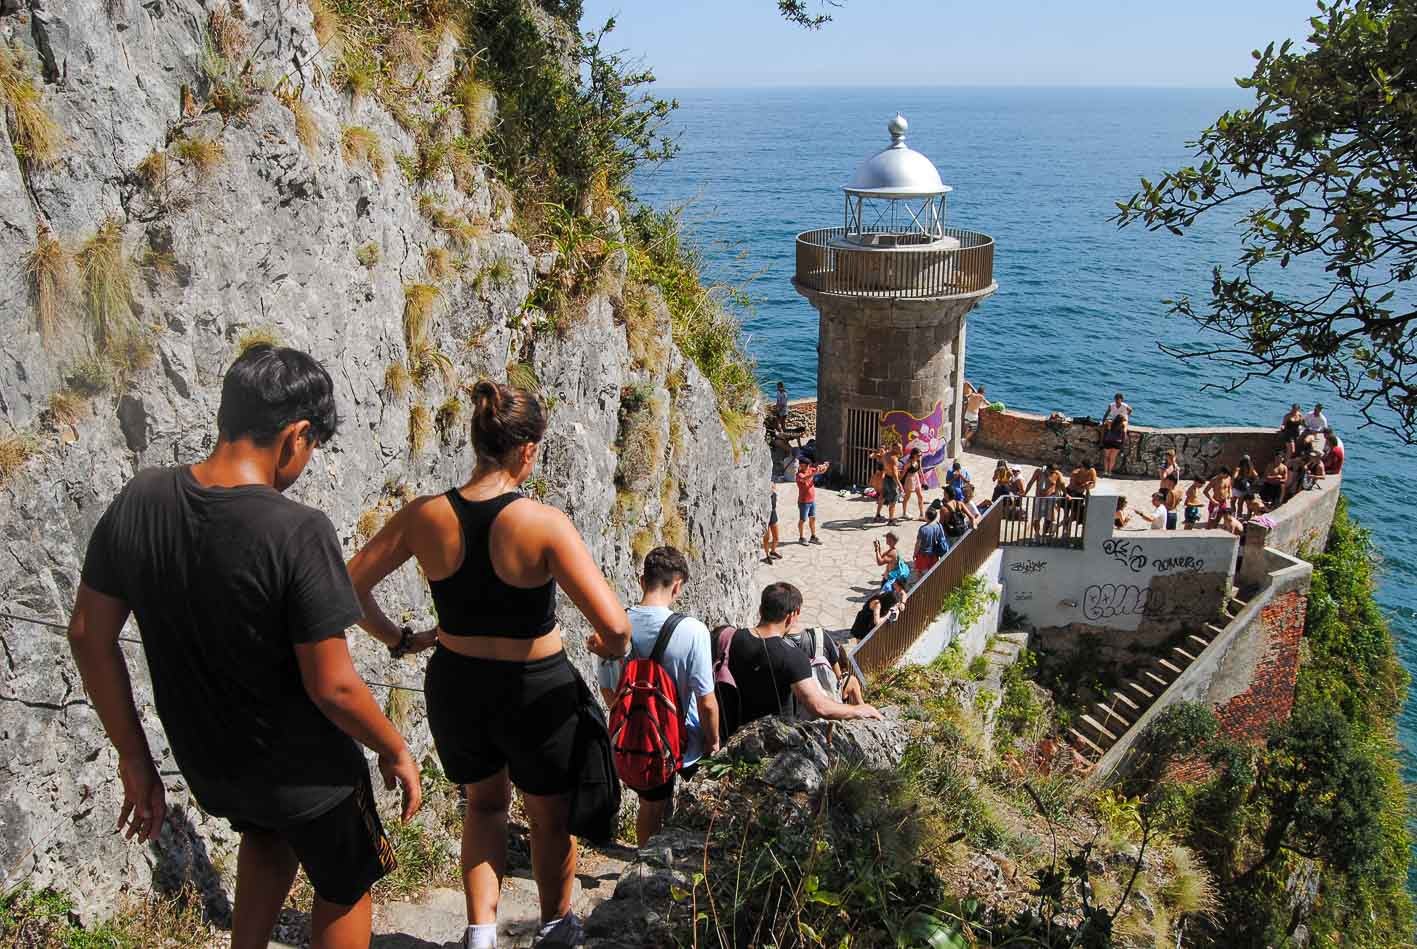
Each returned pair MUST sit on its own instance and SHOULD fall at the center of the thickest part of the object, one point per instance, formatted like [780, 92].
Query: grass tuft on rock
[30, 917]
[257, 336]
[439, 263]
[521, 375]
[15, 450]
[228, 36]
[420, 427]
[51, 279]
[204, 154]
[427, 362]
[36, 137]
[477, 103]
[368, 254]
[358, 143]
[396, 379]
[66, 407]
[106, 282]
[152, 170]
[307, 129]
[419, 302]
[446, 419]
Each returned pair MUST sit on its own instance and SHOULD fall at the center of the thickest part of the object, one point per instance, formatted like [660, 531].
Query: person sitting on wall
[1124, 514]
[1081, 483]
[930, 542]
[1333, 455]
[1312, 471]
[1316, 422]
[1274, 487]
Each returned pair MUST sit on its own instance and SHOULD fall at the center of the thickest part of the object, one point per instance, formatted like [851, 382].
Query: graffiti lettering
[1110, 600]
[1185, 564]
[1028, 566]
[1125, 552]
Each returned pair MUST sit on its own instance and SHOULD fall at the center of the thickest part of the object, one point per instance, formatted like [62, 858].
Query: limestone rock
[265, 241]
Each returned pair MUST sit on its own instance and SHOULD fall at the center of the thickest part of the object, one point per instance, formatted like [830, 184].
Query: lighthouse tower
[892, 287]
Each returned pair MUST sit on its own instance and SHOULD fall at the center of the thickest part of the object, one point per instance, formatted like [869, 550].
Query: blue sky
[707, 43]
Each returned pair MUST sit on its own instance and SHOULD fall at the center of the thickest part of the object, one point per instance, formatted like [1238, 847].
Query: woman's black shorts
[486, 714]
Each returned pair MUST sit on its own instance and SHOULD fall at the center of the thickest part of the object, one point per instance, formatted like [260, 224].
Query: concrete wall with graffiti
[1151, 583]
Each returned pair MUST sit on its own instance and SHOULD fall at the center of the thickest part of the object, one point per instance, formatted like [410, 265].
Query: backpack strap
[661, 642]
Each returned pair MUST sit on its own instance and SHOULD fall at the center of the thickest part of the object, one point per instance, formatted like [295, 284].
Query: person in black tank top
[503, 700]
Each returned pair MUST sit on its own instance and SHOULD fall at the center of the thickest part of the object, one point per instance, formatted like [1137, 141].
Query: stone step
[1198, 643]
[1128, 707]
[1236, 604]
[1113, 718]
[1152, 680]
[1183, 658]
[1169, 669]
[1016, 636]
[1147, 697]
[1104, 736]
[1084, 744]
[1213, 630]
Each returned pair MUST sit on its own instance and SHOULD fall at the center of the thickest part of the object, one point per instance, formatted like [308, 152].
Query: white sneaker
[563, 933]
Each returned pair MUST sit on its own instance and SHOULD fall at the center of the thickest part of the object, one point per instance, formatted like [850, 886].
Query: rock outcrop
[279, 222]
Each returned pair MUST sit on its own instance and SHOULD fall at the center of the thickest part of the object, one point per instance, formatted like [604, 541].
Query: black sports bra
[473, 600]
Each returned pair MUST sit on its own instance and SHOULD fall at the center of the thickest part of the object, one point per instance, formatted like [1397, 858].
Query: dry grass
[371, 521]
[648, 339]
[15, 450]
[456, 226]
[129, 356]
[420, 427]
[307, 130]
[89, 376]
[152, 171]
[675, 530]
[739, 426]
[439, 263]
[1190, 888]
[522, 376]
[447, 417]
[106, 280]
[368, 254]
[66, 407]
[477, 103]
[427, 362]
[642, 543]
[229, 37]
[51, 278]
[406, 47]
[398, 708]
[360, 72]
[37, 138]
[419, 302]
[360, 144]
[396, 379]
[204, 154]
[257, 336]
[328, 25]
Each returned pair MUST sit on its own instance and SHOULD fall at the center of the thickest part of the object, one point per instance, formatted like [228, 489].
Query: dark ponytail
[504, 418]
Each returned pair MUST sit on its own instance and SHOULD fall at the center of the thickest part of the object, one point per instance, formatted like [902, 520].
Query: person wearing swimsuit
[912, 484]
[1194, 497]
[1169, 469]
[1220, 491]
[502, 697]
[1247, 486]
[1276, 479]
[1291, 427]
[1114, 439]
[889, 494]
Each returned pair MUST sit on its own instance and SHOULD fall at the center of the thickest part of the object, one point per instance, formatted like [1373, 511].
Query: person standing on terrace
[912, 484]
[780, 407]
[503, 699]
[770, 533]
[1220, 492]
[1081, 483]
[1247, 487]
[1169, 469]
[1333, 455]
[1195, 494]
[1291, 427]
[930, 542]
[974, 402]
[1316, 422]
[807, 500]
[1114, 440]
[889, 495]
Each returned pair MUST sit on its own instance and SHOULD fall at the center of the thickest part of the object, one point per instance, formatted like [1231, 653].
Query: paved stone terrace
[840, 574]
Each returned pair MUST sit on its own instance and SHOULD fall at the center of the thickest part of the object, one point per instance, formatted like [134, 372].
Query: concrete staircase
[1107, 719]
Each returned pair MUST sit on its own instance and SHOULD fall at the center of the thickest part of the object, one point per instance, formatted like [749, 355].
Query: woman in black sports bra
[502, 697]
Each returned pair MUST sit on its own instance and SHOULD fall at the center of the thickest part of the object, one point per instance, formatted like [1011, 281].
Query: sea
[1079, 312]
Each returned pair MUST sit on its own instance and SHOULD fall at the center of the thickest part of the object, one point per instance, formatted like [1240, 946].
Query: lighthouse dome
[898, 170]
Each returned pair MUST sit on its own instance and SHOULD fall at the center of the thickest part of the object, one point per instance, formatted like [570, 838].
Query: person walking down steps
[504, 702]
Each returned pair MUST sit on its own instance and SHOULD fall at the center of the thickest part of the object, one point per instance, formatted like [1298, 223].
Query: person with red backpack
[663, 713]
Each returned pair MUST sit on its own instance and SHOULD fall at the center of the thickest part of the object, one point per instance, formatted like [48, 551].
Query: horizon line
[750, 87]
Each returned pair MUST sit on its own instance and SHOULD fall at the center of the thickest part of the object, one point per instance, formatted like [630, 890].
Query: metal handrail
[827, 265]
[1043, 522]
[885, 644]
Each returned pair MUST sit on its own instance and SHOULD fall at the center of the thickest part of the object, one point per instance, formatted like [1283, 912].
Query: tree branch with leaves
[1323, 171]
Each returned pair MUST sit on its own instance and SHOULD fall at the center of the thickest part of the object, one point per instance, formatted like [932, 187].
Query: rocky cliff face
[191, 229]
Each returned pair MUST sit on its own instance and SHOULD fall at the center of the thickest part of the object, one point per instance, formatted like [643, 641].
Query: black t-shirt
[224, 582]
[765, 669]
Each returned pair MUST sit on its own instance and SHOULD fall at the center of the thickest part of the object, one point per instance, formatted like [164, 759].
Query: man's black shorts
[665, 792]
[344, 850]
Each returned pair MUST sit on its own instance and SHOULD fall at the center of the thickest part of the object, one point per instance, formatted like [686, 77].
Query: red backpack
[647, 735]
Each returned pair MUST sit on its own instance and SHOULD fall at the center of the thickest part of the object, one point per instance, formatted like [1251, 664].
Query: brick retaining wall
[1270, 696]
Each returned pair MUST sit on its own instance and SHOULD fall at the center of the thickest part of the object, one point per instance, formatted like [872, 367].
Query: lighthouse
[892, 287]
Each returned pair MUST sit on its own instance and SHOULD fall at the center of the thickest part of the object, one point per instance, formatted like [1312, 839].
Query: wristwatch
[405, 643]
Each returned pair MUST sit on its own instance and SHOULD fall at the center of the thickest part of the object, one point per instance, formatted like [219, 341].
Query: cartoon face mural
[924, 433]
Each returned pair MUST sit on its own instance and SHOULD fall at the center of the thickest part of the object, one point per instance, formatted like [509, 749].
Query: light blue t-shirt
[688, 657]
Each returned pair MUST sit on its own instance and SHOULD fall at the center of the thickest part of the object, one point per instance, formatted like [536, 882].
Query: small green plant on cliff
[35, 136]
[969, 601]
[368, 254]
[30, 917]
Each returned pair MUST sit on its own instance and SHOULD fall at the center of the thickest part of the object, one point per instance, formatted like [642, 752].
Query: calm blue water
[1078, 312]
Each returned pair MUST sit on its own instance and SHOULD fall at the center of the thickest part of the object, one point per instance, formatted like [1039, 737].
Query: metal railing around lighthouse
[826, 264]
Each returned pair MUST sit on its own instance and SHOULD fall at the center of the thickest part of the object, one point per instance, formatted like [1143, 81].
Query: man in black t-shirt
[768, 670]
[242, 599]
